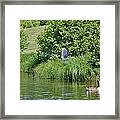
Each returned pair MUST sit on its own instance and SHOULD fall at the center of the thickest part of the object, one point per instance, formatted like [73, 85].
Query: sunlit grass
[27, 61]
[73, 70]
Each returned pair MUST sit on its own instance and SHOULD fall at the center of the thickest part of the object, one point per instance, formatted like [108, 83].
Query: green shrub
[43, 22]
[23, 40]
[32, 23]
[28, 61]
[75, 69]
[29, 23]
[78, 36]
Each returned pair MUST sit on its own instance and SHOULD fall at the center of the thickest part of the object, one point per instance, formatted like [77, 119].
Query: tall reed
[73, 70]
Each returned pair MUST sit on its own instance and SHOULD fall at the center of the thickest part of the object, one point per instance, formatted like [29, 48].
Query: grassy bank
[74, 70]
[28, 61]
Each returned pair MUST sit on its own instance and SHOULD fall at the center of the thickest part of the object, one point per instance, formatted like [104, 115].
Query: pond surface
[34, 88]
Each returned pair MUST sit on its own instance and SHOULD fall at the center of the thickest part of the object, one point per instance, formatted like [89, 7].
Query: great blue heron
[64, 54]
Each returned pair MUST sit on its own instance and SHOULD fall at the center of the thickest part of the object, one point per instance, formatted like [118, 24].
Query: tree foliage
[23, 40]
[32, 23]
[78, 36]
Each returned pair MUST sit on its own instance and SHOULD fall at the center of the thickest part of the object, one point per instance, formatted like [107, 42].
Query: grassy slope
[27, 58]
[32, 38]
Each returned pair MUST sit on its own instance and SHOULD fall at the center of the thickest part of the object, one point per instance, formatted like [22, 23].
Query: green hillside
[32, 38]
[27, 57]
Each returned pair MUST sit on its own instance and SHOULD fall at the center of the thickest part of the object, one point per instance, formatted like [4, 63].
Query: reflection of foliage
[23, 40]
[78, 36]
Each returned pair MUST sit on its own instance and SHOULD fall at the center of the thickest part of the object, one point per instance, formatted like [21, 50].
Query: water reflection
[34, 88]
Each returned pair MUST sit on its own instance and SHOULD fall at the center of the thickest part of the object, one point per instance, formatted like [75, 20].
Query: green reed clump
[53, 69]
[75, 69]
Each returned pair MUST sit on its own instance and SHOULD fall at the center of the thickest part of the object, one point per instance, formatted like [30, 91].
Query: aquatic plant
[76, 69]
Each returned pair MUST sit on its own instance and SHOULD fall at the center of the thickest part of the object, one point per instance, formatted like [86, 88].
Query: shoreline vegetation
[41, 42]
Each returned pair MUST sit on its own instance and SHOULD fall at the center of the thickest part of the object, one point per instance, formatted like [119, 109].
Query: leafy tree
[29, 23]
[43, 22]
[78, 36]
[32, 23]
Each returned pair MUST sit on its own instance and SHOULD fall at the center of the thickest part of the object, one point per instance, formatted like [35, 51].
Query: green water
[34, 88]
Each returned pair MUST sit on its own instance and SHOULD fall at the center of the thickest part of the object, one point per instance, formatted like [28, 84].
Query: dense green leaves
[23, 40]
[78, 36]
[32, 23]
[29, 23]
